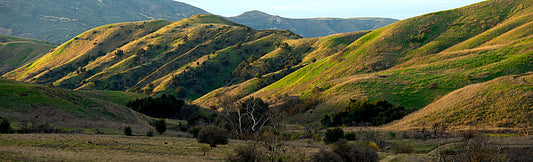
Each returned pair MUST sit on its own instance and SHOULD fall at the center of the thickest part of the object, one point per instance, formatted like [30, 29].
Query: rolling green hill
[60, 20]
[502, 102]
[413, 63]
[35, 105]
[15, 52]
[416, 61]
[196, 55]
[312, 27]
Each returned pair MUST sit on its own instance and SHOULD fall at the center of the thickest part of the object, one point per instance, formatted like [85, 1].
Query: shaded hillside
[33, 105]
[502, 102]
[61, 20]
[15, 52]
[281, 62]
[312, 27]
[415, 61]
[192, 56]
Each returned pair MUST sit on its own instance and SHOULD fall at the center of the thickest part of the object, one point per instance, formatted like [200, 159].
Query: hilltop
[15, 52]
[311, 27]
[60, 20]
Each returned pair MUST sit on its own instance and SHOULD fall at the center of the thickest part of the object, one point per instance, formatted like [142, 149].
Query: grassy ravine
[15, 52]
[28, 105]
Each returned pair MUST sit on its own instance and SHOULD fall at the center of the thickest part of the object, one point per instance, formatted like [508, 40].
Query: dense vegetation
[365, 112]
[160, 107]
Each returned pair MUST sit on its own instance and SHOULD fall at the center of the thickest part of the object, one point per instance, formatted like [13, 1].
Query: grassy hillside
[155, 56]
[312, 27]
[302, 52]
[60, 20]
[34, 105]
[416, 61]
[15, 52]
[502, 102]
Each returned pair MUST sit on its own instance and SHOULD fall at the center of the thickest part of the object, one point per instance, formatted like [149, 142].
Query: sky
[399, 9]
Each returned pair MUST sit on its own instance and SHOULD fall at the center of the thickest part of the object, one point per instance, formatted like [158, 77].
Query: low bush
[403, 148]
[128, 131]
[353, 152]
[350, 136]
[246, 153]
[333, 135]
[325, 156]
[150, 133]
[160, 126]
[5, 126]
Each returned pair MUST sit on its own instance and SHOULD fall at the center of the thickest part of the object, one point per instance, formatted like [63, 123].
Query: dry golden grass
[74, 147]
[502, 102]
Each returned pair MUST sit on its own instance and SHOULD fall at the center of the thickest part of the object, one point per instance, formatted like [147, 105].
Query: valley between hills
[426, 88]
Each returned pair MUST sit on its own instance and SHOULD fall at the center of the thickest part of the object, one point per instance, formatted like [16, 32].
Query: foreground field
[77, 147]
[74, 147]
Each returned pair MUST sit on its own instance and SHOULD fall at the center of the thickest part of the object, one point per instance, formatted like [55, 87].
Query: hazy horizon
[332, 8]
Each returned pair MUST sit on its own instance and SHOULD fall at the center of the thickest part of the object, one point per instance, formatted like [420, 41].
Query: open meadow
[391, 147]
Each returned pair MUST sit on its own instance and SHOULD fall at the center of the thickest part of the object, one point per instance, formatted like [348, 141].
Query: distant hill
[311, 27]
[39, 105]
[15, 52]
[60, 20]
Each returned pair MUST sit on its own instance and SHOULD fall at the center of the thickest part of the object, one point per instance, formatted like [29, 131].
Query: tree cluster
[162, 107]
[366, 112]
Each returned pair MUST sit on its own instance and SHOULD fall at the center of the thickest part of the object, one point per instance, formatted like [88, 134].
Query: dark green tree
[213, 136]
[333, 135]
[160, 126]
[128, 131]
[5, 126]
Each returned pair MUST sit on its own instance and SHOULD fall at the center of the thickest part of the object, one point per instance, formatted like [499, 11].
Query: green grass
[39, 104]
[16, 52]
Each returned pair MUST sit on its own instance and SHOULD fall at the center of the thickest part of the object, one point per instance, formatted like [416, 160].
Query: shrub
[353, 152]
[127, 131]
[194, 131]
[246, 153]
[150, 133]
[325, 156]
[333, 135]
[392, 135]
[205, 148]
[213, 136]
[402, 148]
[160, 126]
[432, 85]
[5, 126]
[350, 136]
